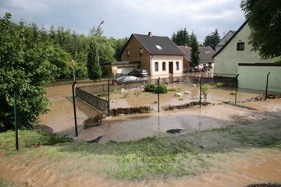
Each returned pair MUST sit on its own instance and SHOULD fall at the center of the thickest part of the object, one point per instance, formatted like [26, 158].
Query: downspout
[151, 69]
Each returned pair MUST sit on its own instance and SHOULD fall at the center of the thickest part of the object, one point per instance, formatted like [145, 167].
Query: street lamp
[102, 22]
[97, 50]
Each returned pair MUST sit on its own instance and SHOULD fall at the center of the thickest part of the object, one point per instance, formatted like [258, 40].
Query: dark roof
[226, 37]
[206, 53]
[186, 50]
[241, 27]
[158, 45]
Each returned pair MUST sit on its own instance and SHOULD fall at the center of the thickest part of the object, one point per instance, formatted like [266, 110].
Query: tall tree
[24, 68]
[264, 19]
[212, 40]
[94, 68]
[181, 38]
[93, 63]
[194, 57]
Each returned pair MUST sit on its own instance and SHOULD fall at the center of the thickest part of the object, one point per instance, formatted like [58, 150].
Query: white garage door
[125, 70]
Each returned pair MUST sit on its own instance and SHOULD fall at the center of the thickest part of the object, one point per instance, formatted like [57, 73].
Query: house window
[240, 46]
[177, 66]
[164, 66]
[156, 66]
[141, 51]
[128, 53]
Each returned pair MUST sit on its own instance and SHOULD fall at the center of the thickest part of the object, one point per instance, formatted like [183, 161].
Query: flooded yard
[60, 118]
[230, 163]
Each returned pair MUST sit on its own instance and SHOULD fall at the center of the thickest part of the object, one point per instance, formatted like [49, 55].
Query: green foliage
[24, 68]
[264, 19]
[205, 89]
[181, 38]
[29, 138]
[118, 46]
[94, 68]
[212, 40]
[194, 57]
[174, 89]
[161, 89]
[150, 88]
[219, 84]
[154, 88]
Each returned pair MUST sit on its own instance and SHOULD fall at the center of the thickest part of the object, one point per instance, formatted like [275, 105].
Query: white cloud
[124, 17]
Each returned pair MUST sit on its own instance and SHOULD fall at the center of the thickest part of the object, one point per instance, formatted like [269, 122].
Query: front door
[171, 68]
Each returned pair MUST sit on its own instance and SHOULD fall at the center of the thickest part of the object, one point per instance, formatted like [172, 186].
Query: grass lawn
[153, 157]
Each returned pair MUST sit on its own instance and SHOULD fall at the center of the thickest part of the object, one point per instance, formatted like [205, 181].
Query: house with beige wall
[157, 54]
[236, 50]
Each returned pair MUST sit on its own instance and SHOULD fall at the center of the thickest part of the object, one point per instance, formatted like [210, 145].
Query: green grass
[174, 89]
[148, 158]
[4, 183]
[247, 137]
[29, 138]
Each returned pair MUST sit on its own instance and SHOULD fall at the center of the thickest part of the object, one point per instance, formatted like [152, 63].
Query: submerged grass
[151, 157]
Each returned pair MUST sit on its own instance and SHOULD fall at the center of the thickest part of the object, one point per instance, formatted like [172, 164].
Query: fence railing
[100, 87]
[91, 99]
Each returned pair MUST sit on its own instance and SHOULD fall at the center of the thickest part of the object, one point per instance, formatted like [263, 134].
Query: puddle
[135, 127]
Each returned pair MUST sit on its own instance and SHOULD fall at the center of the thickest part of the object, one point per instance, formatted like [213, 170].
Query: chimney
[150, 34]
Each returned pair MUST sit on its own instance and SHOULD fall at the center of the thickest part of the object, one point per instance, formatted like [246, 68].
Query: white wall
[226, 62]
[167, 60]
[254, 77]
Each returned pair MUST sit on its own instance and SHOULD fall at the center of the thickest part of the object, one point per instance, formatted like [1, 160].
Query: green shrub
[205, 89]
[150, 88]
[154, 88]
[219, 84]
[161, 89]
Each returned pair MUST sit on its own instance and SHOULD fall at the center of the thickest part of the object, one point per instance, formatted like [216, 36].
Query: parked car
[139, 73]
[190, 70]
[126, 79]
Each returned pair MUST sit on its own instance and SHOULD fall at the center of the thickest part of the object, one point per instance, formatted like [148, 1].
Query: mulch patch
[186, 105]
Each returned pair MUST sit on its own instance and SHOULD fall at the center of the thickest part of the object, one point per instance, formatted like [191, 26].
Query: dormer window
[141, 51]
[128, 53]
[158, 47]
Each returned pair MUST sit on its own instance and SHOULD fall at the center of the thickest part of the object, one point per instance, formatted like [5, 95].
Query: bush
[150, 88]
[154, 88]
[161, 89]
[205, 89]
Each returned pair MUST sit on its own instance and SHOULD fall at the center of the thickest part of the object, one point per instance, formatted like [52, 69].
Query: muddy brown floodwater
[237, 168]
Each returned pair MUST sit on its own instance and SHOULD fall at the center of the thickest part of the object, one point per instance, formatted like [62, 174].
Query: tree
[93, 63]
[94, 68]
[24, 68]
[264, 19]
[212, 40]
[181, 38]
[194, 57]
[118, 47]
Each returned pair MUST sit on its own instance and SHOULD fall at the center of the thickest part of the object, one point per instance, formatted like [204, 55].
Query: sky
[125, 17]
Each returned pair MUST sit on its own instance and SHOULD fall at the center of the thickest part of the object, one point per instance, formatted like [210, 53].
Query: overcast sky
[124, 17]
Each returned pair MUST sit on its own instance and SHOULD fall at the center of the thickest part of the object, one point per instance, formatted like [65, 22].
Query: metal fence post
[158, 94]
[74, 107]
[200, 81]
[266, 89]
[15, 120]
[236, 91]
[108, 95]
